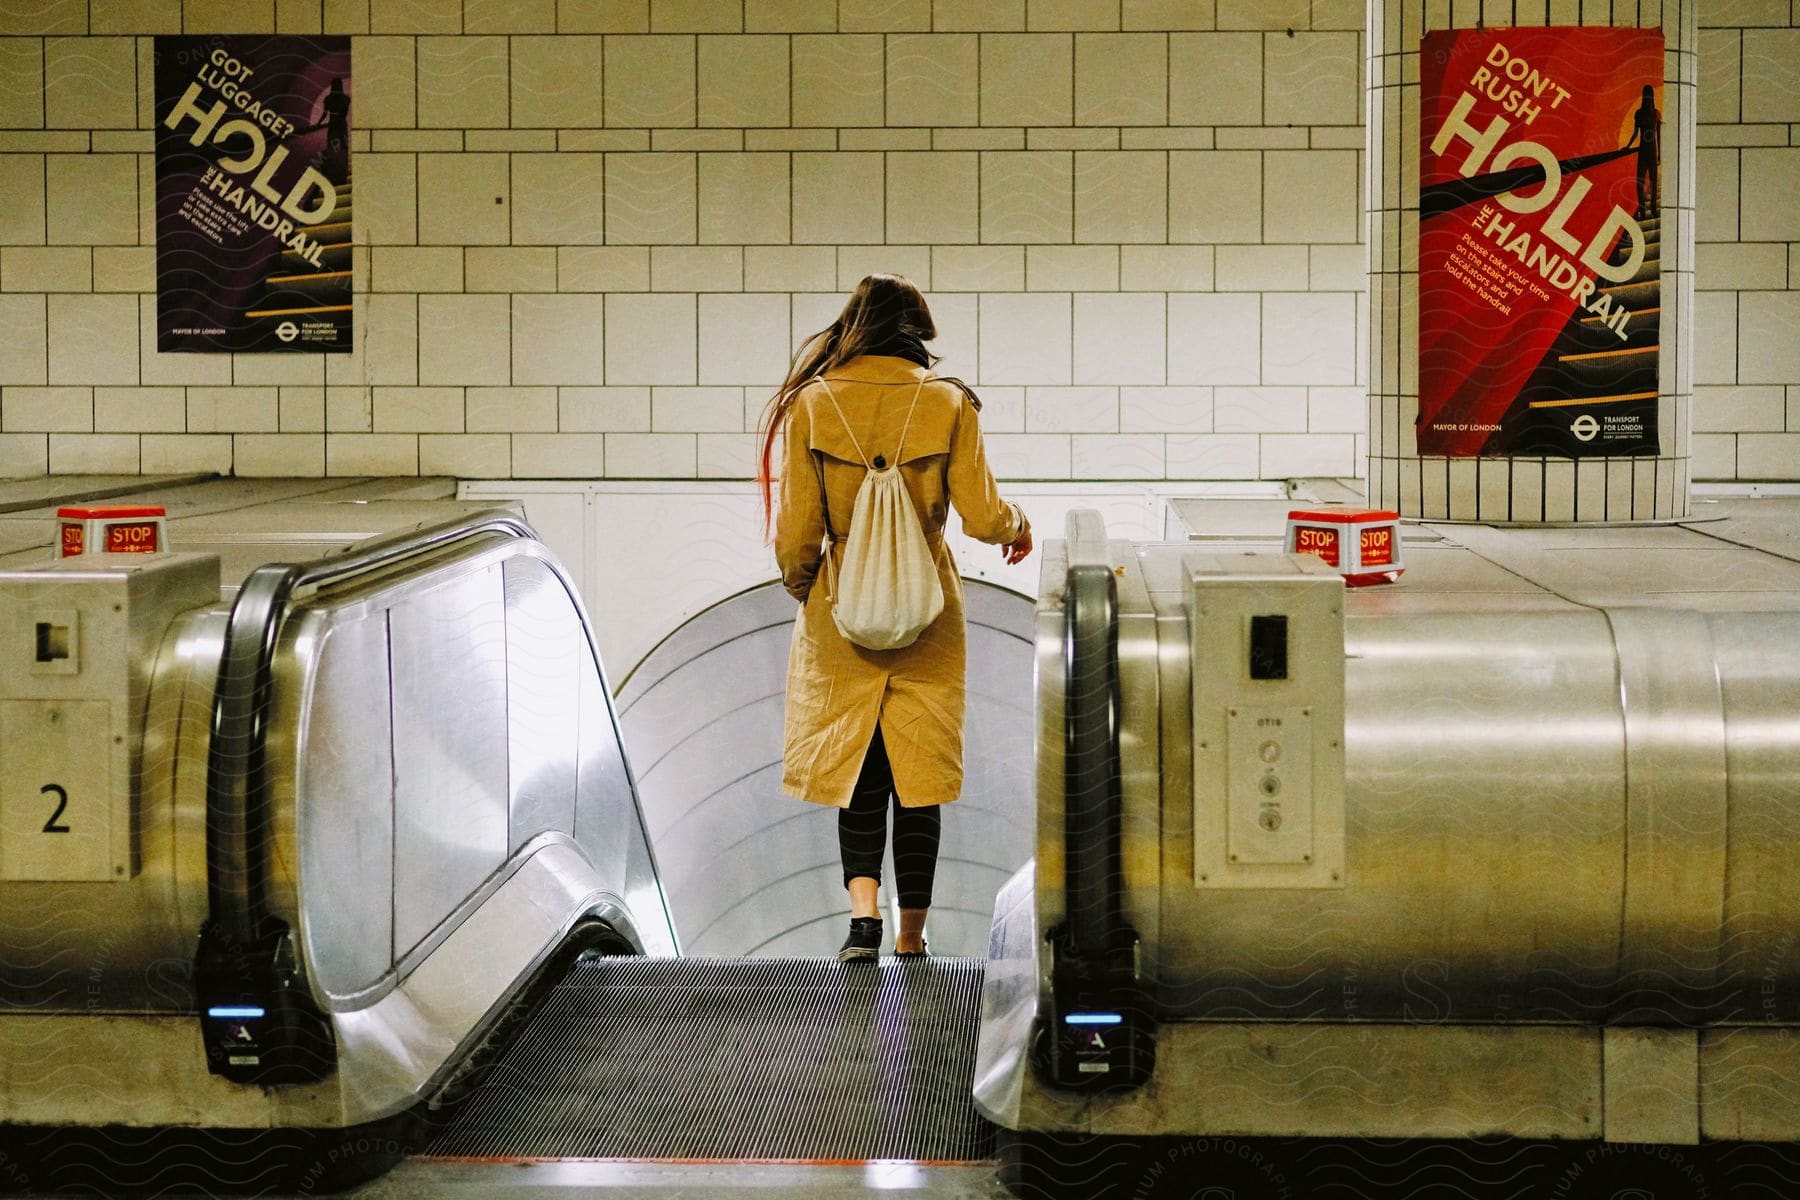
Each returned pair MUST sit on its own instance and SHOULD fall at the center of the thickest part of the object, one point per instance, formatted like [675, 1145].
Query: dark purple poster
[253, 194]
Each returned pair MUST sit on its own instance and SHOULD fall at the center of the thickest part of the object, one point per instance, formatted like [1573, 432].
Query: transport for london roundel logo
[1585, 427]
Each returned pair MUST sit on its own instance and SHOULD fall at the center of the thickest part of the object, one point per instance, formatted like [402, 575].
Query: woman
[863, 725]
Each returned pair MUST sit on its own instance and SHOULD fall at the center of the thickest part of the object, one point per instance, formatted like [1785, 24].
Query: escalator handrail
[236, 789]
[392, 548]
[1091, 716]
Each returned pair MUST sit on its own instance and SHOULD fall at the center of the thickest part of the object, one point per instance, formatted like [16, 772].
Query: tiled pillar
[1518, 489]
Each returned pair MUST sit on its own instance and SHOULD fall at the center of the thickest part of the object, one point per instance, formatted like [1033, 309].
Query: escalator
[390, 884]
[770, 1057]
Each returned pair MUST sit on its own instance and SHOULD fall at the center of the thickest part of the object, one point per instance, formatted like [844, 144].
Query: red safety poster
[1539, 263]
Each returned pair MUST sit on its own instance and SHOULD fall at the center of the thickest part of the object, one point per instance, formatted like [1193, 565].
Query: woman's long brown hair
[881, 307]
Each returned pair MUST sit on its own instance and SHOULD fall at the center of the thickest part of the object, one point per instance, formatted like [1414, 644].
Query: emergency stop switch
[1362, 544]
[110, 529]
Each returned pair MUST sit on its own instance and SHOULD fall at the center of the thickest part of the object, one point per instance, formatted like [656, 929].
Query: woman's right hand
[1016, 550]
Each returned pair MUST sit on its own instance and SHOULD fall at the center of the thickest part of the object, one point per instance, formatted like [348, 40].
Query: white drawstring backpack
[887, 591]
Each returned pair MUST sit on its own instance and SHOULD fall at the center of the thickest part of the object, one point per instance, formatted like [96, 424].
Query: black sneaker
[864, 942]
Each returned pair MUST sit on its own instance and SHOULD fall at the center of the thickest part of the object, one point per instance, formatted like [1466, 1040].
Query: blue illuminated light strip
[234, 1012]
[1094, 1019]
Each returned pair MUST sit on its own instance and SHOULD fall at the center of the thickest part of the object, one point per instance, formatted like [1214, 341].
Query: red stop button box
[110, 529]
[1362, 543]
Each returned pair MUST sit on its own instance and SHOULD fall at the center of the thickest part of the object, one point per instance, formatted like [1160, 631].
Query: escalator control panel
[1266, 635]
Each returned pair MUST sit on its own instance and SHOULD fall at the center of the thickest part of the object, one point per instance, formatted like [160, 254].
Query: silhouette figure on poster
[1646, 135]
[335, 161]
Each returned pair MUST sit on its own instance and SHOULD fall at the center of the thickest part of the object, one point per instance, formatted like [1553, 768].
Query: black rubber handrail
[1091, 715]
[237, 804]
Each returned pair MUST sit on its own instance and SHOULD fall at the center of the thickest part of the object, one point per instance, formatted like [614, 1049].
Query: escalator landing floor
[796, 1060]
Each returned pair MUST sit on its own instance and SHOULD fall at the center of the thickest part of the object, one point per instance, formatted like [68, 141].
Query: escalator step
[738, 1059]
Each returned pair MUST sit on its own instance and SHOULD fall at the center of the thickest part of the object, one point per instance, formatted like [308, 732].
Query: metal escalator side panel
[394, 751]
[609, 814]
[1758, 658]
[175, 771]
[1476, 748]
[609, 824]
[609, 821]
[330, 746]
[543, 701]
[454, 804]
[447, 647]
[1048, 690]
[1143, 742]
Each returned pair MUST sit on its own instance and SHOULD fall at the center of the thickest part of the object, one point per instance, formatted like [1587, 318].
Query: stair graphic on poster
[1588, 366]
[296, 291]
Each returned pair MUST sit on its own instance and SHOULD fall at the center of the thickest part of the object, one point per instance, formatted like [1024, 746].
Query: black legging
[862, 831]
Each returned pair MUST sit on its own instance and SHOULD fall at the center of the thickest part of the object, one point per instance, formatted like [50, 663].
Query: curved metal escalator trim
[237, 800]
[618, 733]
[236, 791]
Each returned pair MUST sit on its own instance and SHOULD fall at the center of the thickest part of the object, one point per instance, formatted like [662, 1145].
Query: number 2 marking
[62, 802]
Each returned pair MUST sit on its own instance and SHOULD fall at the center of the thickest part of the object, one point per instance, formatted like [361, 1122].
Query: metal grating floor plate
[738, 1058]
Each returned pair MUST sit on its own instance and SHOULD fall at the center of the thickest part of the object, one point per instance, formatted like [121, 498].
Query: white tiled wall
[590, 231]
[1747, 234]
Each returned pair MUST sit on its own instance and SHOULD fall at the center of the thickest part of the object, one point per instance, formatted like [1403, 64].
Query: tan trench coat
[836, 690]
